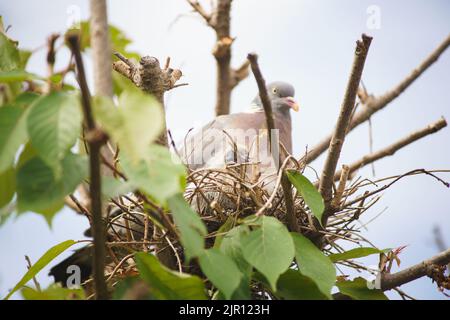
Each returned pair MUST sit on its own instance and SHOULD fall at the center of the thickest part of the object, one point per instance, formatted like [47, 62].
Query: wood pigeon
[239, 137]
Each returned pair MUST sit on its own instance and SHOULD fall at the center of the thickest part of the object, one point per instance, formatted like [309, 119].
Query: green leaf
[165, 284]
[112, 187]
[224, 228]
[314, 264]
[308, 192]
[51, 254]
[54, 292]
[7, 186]
[269, 248]
[9, 55]
[190, 225]
[134, 125]
[355, 253]
[54, 124]
[13, 133]
[231, 246]
[17, 76]
[358, 290]
[160, 175]
[220, 270]
[292, 285]
[38, 189]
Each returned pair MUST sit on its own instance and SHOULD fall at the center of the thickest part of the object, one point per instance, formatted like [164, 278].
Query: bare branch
[151, 78]
[390, 281]
[393, 148]
[336, 202]
[101, 48]
[267, 105]
[373, 104]
[199, 9]
[95, 138]
[326, 180]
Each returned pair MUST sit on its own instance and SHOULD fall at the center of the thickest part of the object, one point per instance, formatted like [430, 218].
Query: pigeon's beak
[290, 101]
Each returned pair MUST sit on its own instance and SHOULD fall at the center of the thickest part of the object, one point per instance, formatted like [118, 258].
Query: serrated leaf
[7, 186]
[13, 133]
[165, 284]
[54, 124]
[308, 192]
[292, 285]
[18, 76]
[9, 54]
[314, 264]
[38, 189]
[51, 254]
[53, 292]
[159, 174]
[221, 271]
[134, 125]
[358, 290]
[269, 249]
[355, 253]
[190, 225]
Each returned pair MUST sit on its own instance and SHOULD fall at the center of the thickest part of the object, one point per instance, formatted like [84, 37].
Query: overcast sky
[309, 44]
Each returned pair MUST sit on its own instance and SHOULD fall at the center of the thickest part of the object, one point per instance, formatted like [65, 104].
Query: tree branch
[373, 104]
[390, 281]
[95, 138]
[326, 180]
[101, 48]
[149, 77]
[199, 9]
[227, 77]
[393, 148]
[285, 184]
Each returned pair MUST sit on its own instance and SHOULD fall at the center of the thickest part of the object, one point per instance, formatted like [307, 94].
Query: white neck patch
[253, 109]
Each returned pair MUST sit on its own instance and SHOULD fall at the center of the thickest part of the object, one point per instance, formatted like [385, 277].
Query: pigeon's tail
[75, 269]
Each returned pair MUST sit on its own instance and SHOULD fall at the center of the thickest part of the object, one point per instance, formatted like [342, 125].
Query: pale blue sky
[308, 43]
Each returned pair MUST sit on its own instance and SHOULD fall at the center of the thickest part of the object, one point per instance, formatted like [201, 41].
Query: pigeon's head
[281, 94]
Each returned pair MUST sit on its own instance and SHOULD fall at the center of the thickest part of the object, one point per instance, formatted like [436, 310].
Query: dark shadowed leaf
[165, 284]
[355, 253]
[269, 248]
[7, 186]
[221, 271]
[38, 189]
[292, 285]
[51, 254]
[308, 192]
[190, 225]
[314, 264]
[358, 290]
[54, 124]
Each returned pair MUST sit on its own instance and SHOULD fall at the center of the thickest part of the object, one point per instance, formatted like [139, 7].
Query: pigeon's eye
[274, 90]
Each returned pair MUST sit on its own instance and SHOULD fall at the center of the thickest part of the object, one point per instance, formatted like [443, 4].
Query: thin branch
[285, 183]
[95, 138]
[336, 202]
[390, 281]
[374, 104]
[393, 148]
[201, 11]
[326, 180]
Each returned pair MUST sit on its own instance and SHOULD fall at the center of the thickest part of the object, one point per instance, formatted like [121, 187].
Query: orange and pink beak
[290, 101]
